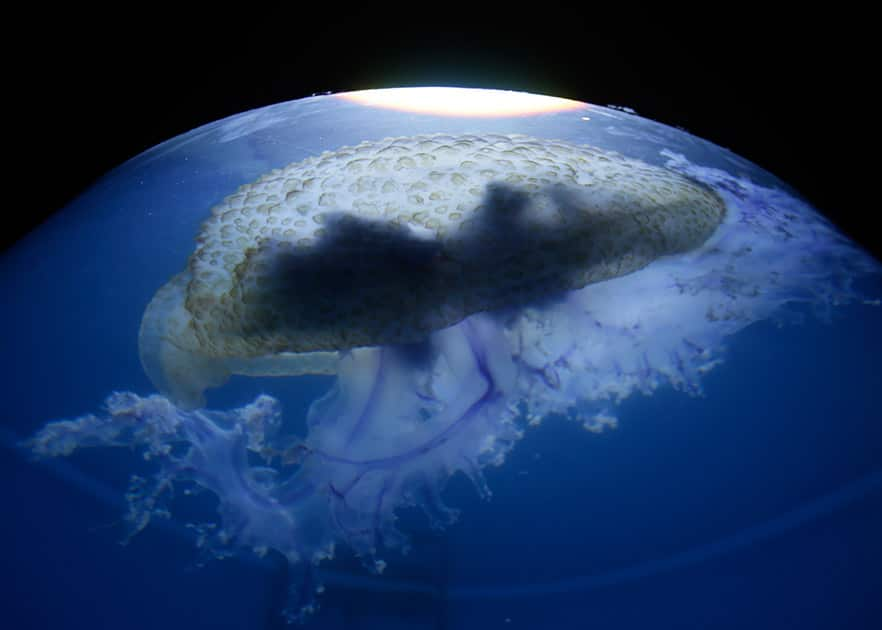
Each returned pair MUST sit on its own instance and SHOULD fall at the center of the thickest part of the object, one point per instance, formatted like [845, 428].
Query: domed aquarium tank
[441, 358]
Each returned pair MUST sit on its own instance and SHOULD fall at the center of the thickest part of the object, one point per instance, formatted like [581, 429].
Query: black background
[789, 92]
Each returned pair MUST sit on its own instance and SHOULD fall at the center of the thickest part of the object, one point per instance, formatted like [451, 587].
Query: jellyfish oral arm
[390, 433]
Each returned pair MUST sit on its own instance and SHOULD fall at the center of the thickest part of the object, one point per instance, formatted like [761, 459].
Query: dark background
[789, 92]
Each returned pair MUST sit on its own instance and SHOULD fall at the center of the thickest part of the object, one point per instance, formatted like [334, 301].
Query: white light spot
[447, 101]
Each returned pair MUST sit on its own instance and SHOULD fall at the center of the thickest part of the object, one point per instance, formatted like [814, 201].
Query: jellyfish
[459, 288]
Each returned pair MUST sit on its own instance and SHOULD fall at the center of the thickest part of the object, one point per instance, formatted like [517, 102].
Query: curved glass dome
[438, 357]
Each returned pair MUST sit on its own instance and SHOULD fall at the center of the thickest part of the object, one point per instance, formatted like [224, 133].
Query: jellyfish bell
[385, 242]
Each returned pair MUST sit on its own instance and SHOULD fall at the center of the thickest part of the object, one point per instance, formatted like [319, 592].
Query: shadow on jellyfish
[460, 288]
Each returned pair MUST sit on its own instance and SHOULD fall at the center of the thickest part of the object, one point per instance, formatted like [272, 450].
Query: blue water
[758, 505]
[690, 515]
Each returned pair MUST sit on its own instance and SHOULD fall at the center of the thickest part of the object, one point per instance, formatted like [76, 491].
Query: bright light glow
[446, 101]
